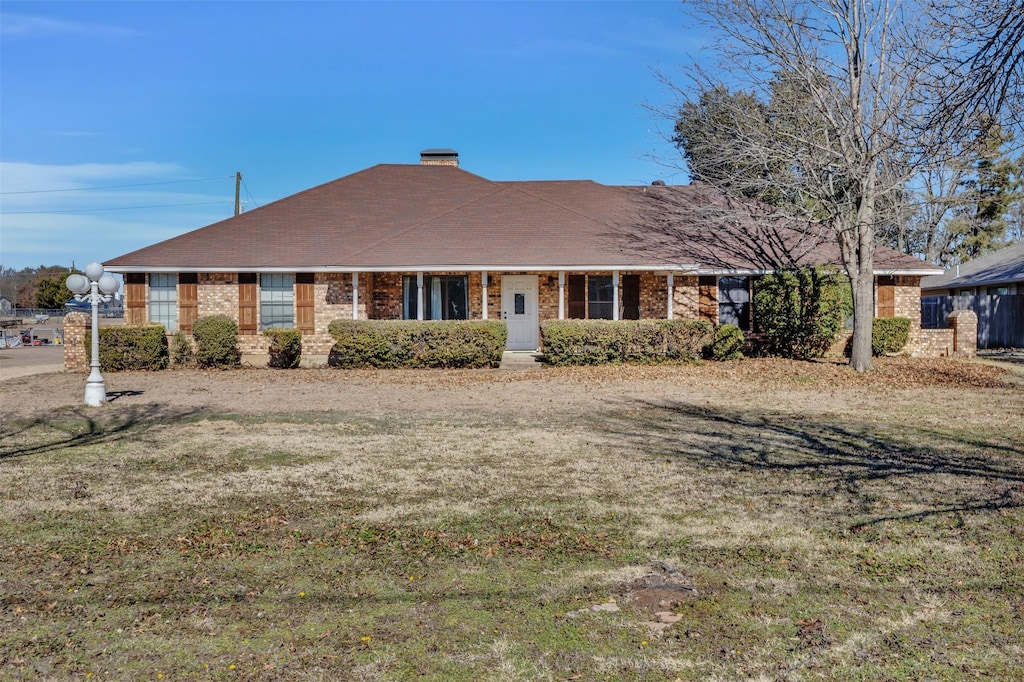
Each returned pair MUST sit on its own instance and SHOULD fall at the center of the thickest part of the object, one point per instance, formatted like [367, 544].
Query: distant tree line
[38, 287]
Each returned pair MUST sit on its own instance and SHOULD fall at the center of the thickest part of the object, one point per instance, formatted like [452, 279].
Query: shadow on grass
[81, 426]
[842, 454]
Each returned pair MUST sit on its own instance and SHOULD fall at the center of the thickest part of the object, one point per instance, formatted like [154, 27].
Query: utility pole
[238, 189]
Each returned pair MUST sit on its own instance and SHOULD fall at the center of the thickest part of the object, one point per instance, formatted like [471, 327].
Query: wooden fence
[1000, 318]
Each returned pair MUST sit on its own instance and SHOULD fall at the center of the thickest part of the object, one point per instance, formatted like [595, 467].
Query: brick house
[433, 241]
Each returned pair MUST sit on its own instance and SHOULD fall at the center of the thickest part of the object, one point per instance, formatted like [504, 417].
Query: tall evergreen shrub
[799, 311]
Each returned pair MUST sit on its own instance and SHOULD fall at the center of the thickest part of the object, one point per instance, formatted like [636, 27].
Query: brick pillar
[76, 355]
[964, 324]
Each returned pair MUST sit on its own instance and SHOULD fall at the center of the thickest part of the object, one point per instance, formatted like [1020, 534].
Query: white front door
[519, 310]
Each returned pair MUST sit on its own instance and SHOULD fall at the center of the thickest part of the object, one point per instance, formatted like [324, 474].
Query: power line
[119, 208]
[248, 194]
[143, 184]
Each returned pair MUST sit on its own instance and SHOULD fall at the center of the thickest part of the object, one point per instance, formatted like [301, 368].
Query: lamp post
[96, 287]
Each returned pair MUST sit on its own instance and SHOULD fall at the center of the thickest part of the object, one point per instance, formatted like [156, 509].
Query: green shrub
[799, 311]
[727, 343]
[592, 342]
[182, 350]
[216, 339]
[410, 343]
[889, 334]
[285, 347]
[132, 347]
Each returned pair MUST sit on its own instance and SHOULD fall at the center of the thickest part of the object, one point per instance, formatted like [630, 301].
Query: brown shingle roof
[418, 217]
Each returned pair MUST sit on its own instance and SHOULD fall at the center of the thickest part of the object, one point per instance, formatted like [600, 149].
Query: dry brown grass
[444, 525]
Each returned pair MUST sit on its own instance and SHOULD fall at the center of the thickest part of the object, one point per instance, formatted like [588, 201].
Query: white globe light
[94, 271]
[108, 283]
[78, 284]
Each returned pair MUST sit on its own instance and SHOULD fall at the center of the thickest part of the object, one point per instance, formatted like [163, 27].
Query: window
[445, 297]
[590, 297]
[997, 291]
[734, 301]
[163, 300]
[965, 292]
[600, 297]
[277, 300]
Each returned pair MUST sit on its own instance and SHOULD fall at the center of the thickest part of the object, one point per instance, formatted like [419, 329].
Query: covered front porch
[524, 298]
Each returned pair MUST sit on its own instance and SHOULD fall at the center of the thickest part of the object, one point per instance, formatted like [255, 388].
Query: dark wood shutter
[188, 300]
[630, 297]
[135, 298]
[708, 298]
[247, 302]
[305, 310]
[577, 297]
[886, 297]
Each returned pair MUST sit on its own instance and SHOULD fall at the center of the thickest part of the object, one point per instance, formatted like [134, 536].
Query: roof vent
[658, 183]
[439, 157]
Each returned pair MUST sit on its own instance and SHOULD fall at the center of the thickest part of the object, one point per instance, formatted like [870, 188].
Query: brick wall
[964, 325]
[905, 293]
[76, 355]
[686, 297]
[217, 294]
[380, 297]
[653, 296]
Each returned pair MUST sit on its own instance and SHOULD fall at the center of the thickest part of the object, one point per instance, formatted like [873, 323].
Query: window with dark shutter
[630, 297]
[135, 298]
[305, 312]
[886, 297]
[577, 297]
[188, 300]
[247, 302]
[708, 298]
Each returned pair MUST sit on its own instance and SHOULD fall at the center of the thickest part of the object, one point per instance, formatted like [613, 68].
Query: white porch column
[355, 295]
[561, 294]
[419, 295]
[671, 293]
[483, 295]
[615, 294]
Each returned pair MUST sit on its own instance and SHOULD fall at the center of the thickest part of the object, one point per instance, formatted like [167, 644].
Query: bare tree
[852, 85]
[980, 69]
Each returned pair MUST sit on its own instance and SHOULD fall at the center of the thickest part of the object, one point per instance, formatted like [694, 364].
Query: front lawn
[760, 520]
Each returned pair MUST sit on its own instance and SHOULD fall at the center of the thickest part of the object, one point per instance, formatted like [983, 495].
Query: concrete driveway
[25, 360]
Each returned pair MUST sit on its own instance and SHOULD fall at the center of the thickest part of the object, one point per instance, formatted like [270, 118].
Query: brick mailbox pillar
[76, 356]
[964, 324]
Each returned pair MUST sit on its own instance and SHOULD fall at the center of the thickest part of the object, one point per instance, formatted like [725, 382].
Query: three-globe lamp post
[96, 287]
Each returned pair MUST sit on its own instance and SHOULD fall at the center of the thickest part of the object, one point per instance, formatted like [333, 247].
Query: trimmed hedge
[216, 339]
[285, 347]
[889, 334]
[592, 342]
[132, 347]
[412, 343]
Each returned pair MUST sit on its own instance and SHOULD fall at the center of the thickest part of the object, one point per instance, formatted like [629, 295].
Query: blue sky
[140, 113]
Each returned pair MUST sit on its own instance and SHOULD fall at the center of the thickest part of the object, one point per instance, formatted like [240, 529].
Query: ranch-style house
[431, 241]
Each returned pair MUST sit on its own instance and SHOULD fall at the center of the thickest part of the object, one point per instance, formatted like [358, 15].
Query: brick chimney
[439, 157]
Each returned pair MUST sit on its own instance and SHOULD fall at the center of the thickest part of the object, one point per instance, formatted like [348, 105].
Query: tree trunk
[863, 288]
[859, 247]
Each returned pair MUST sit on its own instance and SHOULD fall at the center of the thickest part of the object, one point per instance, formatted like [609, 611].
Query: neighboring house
[998, 273]
[6, 307]
[432, 241]
[992, 286]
